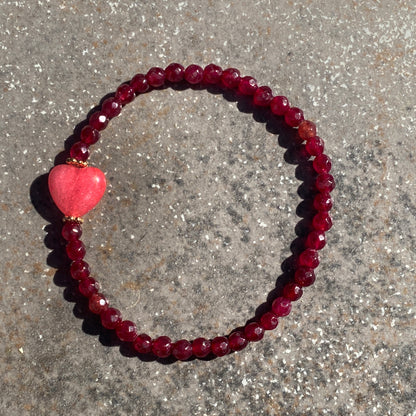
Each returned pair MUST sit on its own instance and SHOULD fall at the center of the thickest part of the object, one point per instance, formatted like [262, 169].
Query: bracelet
[76, 188]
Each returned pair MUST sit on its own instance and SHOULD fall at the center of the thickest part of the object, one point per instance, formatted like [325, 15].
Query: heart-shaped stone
[75, 190]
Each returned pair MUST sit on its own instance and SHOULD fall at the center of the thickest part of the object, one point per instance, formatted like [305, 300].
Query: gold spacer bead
[78, 220]
[75, 162]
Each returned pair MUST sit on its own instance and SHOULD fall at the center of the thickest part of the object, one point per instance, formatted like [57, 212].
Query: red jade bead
[306, 130]
[162, 347]
[304, 276]
[325, 182]
[322, 221]
[201, 347]
[231, 78]
[182, 349]
[281, 306]
[139, 83]
[279, 105]
[322, 201]
[80, 151]
[112, 106]
[174, 72]
[71, 231]
[126, 331]
[98, 303]
[237, 341]
[80, 270]
[143, 344]
[110, 318]
[254, 332]
[125, 94]
[98, 120]
[75, 250]
[220, 346]
[89, 135]
[309, 258]
[292, 291]
[88, 287]
[263, 96]
[194, 74]
[155, 77]
[269, 321]
[247, 86]
[212, 74]
[293, 116]
[315, 146]
[322, 164]
[315, 240]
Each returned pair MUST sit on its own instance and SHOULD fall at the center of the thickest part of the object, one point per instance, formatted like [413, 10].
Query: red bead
[325, 182]
[322, 164]
[248, 85]
[309, 258]
[126, 331]
[279, 105]
[306, 130]
[237, 341]
[71, 231]
[175, 72]
[304, 276]
[263, 96]
[111, 107]
[315, 240]
[80, 270]
[212, 74]
[194, 74]
[89, 135]
[110, 318]
[322, 221]
[155, 77]
[292, 291]
[162, 347]
[293, 116]
[231, 78]
[143, 344]
[182, 349]
[315, 146]
[254, 332]
[201, 347]
[88, 287]
[322, 201]
[125, 94]
[269, 321]
[281, 306]
[139, 83]
[220, 346]
[75, 250]
[79, 151]
[98, 120]
[98, 303]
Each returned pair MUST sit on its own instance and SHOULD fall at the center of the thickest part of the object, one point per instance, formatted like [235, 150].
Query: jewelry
[76, 188]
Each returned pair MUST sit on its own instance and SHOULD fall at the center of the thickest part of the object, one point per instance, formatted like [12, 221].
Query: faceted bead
[293, 116]
[143, 344]
[174, 72]
[125, 94]
[253, 331]
[110, 318]
[98, 303]
[155, 77]
[322, 201]
[315, 240]
[220, 346]
[80, 270]
[279, 105]
[112, 106]
[237, 341]
[201, 347]
[322, 221]
[139, 83]
[263, 96]
[75, 250]
[162, 347]
[269, 321]
[126, 331]
[322, 164]
[182, 349]
[281, 306]
[315, 146]
[212, 74]
[248, 85]
[88, 287]
[306, 130]
[309, 258]
[194, 74]
[325, 182]
[292, 291]
[79, 151]
[231, 78]
[304, 276]
[71, 231]
[89, 135]
[98, 120]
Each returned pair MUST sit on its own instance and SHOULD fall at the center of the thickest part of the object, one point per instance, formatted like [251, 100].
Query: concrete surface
[200, 212]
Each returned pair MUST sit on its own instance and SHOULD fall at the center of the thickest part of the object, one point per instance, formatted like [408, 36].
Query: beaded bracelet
[76, 189]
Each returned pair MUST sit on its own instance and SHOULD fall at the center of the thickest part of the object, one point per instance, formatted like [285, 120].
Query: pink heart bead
[74, 190]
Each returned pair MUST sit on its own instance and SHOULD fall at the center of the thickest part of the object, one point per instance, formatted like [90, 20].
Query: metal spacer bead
[78, 220]
[75, 162]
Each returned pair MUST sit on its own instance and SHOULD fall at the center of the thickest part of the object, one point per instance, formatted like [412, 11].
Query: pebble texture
[201, 207]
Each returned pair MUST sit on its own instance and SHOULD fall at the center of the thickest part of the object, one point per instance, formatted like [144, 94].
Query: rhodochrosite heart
[74, 190]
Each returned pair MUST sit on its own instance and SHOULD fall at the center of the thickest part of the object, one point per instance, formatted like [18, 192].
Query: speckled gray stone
[201, 207]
